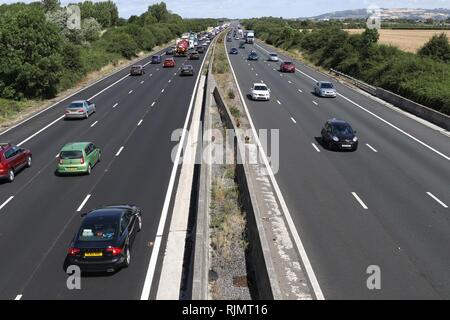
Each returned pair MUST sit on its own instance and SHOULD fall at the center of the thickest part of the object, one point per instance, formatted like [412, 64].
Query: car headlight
[355, 139]
[336, 139]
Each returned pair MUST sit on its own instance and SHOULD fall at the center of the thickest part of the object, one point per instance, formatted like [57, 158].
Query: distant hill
[397, 13]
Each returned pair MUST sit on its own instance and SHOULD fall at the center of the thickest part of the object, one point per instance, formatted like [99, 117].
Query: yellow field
[407, 40]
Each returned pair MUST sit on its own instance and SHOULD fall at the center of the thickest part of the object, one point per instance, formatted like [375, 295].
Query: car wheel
[127, 257]
[86, 115]
[11, 175]
[89, 169]
[29, 161]
[99, 157]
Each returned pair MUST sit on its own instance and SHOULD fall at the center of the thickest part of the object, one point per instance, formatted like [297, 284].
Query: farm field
[407, 40]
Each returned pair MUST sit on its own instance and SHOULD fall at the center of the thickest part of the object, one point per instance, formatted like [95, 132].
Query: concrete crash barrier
[416, 109]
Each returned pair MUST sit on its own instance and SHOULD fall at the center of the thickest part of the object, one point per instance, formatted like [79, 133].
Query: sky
[259, 8]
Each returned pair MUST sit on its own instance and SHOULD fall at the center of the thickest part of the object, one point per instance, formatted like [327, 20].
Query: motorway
[385, 204]
[40, 212]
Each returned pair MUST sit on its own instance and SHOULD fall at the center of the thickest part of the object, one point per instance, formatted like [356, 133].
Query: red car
[169, 63]
[12, 160]
[287, 66]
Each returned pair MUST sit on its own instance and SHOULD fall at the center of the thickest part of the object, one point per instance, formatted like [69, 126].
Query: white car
[259, 91]
[273, 57]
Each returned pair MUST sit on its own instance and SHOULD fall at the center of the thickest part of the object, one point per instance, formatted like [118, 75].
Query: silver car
[325, 89]
[80, 109]
[273, 57]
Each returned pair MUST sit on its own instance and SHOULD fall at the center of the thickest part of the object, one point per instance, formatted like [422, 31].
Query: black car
[105, 238]
[187, 70]
[170, 51]
[200, 49]
[234, 51]
[253, 56]
[339, 135]
[194, 55]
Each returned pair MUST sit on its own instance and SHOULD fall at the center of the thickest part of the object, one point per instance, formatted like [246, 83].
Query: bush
[231, 94]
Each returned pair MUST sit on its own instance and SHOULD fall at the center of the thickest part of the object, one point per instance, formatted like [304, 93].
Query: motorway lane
[400, 214]
[41, 230]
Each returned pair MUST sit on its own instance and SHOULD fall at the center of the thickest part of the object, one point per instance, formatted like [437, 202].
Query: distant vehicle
[182, 48]
[229, 39]
[242, 45]
[273, 57]
[287, 66]
[12, 160]
[200, 49]
[338, 134]
[194, 55]
[234, 51]
[187, 70]
[241, 33]
[236, 38]
[105, 238]
[80, 109]
[259, 91]
[78, 157]
[250, 36]
[325, 89]
[170, 51]
[156, 59]
[205, 44]
[253, 56]
[138, 70]
[169, 63]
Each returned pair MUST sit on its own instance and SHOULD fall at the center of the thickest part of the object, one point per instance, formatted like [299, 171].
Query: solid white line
[437, 200]
[153, 103]
[140, 122]
[315, 147]
[278, 101]
[315, 103]
[373, 149]
[6, 202]
[163, 217]
[38, 132]
[19, 297]
[118, 152]
[360, 201]
[83, 203]
[131, 91]
[301, 249]
[378, 117]
[293, 120]
[115, 105]
[94, 124]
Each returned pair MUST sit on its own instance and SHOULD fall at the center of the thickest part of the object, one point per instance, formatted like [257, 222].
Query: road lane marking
[153, 103]
[6, 202]
[118, 152]
[315, 147]
[41, 130]
[83, 203]
[115, 105]
[256, 74]
[140, 122]
[162, 91]
[278, 101]
[360, 201]
[299, 90]
[373, 149]
[170, 80]
[298, 242]
[163, 217]
[151, 74]
[94, 124]
[437, 200]
[289, 81]
[377, 116]
[293, 120]
[131, 91]
[315, 103]
[175, 74]
[142, 82]
[18, 297]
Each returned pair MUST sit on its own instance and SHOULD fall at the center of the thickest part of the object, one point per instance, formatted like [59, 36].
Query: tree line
[40, 55]
[423, 77]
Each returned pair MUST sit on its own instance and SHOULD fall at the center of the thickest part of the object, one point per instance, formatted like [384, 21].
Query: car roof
[336, 121]
[73, 146]
[113, 213]
[187, 66]
[78, 101]
[322, 82]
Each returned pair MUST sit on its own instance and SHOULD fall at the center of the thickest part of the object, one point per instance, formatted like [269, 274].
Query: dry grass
[406, 40]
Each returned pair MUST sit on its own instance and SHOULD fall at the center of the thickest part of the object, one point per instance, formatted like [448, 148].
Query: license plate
[93, 254]
[346, 146]
[71, 169]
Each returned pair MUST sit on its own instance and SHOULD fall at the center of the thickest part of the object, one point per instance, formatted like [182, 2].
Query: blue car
[253, 56]
[156, 59]
[234, 51]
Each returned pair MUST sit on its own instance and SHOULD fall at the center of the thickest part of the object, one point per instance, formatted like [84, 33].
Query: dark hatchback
[194, 55]
[234, 51]
[253, 56]
[200, 49]
[338, 134]
[105, 238]
[187, 70]
[156, 59]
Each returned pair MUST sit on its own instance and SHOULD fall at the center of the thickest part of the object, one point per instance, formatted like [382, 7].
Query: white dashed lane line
[162, 91]
[140, 122]
[94, 124]
[299, 90]
[131, 91]
[119, 152]
[115, 105]
[437, 200]
[6, 202]
[293, 120]
[315, 147]
[371, 148]
[315, 103]
[278, 101]
[360, 201]
[153, 103]
[83, 203]
[18, 297]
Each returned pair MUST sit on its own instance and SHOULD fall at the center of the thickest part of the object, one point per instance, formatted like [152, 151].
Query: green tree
[90, 29]
[437, 47]
[159, 11]
[51, 5]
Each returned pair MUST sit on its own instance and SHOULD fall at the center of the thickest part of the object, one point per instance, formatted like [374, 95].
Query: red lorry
[182, 48]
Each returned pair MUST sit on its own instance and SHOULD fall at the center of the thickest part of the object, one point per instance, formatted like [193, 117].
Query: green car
[78, 157]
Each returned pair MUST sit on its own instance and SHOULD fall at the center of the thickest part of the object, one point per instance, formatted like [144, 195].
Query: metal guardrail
[360, 84]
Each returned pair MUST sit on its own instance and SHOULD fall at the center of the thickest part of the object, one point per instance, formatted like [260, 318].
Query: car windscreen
[187, 67]
[288, 63]
[96, 232]
[76, 105]
[261, 88]
[342, 129]
[71, 155]
[273, 55]
[326, 85]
